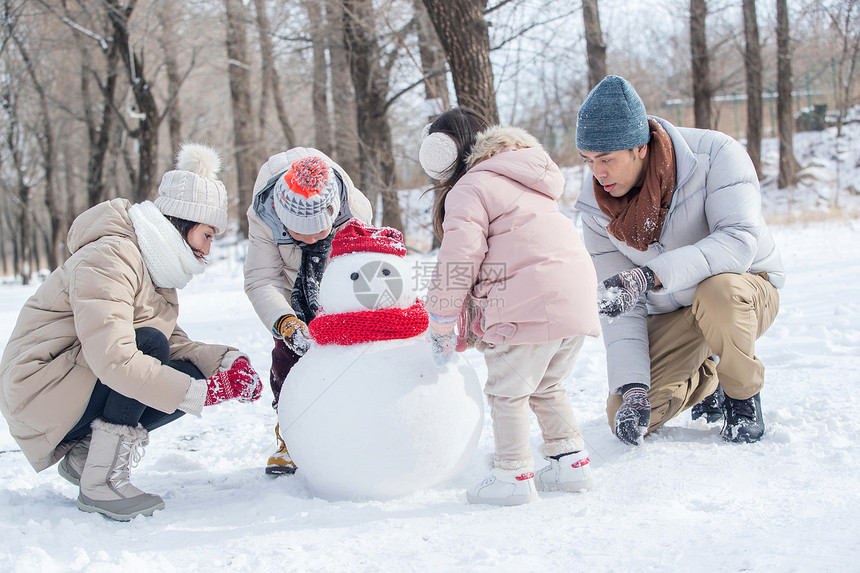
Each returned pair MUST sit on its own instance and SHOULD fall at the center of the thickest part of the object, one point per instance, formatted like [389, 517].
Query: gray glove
[619, 293]
[634, 415]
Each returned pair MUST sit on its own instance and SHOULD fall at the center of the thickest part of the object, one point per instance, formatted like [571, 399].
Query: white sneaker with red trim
[505, 487]
[570, 472]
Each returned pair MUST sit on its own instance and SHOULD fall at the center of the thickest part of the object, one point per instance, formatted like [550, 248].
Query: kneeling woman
[96, 359]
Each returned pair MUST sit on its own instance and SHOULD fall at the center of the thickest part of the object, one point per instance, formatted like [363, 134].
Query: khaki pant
[531, 375]
[729, 312]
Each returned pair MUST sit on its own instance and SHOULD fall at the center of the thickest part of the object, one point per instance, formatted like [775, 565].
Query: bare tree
[115, 43]
[244, 138]
[98, 88]
[15, 134]
[168, 36]
[45, 141]
[319, 91]
[370, 79]
[702, 92]
[788, 165]
[753, 68]
[433, 69]
[595, 48]
[271, 79]
[346, 146]
[432, 63]
[463, 32]
[147, 114]
[843, 17]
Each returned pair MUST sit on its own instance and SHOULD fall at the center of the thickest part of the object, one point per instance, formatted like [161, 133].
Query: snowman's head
[367, 271]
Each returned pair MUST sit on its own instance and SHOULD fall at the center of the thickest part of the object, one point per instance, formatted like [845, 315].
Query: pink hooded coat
[508, 246]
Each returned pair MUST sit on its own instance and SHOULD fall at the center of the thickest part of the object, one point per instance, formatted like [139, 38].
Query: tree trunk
[752, 65]
[270, 75]
[22, 234]
[700, 67]
[4, 258]
[433, 68]
[464, 34]
[346, 148]
[594, 46]
[146, 132]
[99, 118]
[432, 64]
[319, 87]
[371, 89]
[168, 14]
[785, 121]
[45, 140]
[244, 138]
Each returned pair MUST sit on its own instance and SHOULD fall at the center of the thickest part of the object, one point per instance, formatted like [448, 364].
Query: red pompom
[308, 176]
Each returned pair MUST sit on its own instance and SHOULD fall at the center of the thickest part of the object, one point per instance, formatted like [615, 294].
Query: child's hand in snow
[442, 338]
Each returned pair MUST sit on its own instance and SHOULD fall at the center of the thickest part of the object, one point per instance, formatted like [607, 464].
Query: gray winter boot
[105, 483]
[72, 464]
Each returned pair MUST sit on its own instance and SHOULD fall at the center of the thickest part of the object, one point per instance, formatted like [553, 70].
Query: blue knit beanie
[611, 118]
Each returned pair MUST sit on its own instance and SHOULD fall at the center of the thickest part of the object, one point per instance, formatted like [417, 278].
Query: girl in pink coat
[514, 276]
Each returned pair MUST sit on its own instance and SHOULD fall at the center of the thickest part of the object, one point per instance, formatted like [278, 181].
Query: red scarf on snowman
[348, 328]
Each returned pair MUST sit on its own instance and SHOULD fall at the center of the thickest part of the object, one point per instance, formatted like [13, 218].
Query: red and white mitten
[253, 385]
[229, 384]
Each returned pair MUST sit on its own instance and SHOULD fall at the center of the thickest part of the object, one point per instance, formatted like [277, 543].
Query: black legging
[114, 408]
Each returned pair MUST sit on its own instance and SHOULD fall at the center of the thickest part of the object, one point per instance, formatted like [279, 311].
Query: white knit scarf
[168, 257]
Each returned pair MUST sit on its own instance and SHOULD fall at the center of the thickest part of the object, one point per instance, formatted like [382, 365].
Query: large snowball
[363, 281]
[379, 420]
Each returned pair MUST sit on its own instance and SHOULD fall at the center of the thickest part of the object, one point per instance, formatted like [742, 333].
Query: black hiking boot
[711, 408]
[744, 421]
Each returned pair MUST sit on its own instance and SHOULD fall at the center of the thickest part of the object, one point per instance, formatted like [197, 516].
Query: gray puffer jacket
[714, 226]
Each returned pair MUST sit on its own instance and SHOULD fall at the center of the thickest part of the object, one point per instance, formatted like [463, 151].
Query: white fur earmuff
[438, 154]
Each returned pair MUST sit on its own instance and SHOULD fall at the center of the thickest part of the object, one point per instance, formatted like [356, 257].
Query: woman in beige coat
[513, 266]
[96, 359]
[301, 199]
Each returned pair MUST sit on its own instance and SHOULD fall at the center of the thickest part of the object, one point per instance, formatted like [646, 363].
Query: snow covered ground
[685, 501]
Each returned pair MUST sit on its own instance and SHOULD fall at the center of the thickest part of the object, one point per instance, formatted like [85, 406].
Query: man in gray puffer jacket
[690, 270]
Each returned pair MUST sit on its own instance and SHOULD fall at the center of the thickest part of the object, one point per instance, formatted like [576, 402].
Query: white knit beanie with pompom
[192, 191]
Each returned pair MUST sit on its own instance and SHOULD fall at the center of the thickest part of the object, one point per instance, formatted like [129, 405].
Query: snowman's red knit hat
[356, 237]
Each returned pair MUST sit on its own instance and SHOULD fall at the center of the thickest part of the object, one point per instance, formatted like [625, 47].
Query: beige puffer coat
[79, 326]
[273, 258]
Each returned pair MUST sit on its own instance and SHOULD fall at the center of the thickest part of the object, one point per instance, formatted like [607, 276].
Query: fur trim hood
[497, 139]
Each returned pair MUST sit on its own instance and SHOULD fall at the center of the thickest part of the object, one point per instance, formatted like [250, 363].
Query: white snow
[683, 501]
[379, 420]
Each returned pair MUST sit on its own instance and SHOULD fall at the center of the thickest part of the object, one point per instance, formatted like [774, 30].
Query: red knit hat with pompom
[356, 237]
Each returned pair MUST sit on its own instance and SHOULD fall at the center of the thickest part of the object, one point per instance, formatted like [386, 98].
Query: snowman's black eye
[354, 276]
[386, 272]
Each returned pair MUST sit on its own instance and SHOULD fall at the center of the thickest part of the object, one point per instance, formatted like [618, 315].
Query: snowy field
[685, 501]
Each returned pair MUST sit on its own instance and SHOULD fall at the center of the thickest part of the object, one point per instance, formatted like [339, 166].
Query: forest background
[97, 95]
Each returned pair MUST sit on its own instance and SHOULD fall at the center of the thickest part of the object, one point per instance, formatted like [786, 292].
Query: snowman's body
[377, 419]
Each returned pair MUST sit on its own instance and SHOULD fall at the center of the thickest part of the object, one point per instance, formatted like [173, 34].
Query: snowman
[366, 412]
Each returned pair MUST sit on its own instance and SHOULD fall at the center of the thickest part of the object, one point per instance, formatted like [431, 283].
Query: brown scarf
[637, 217]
